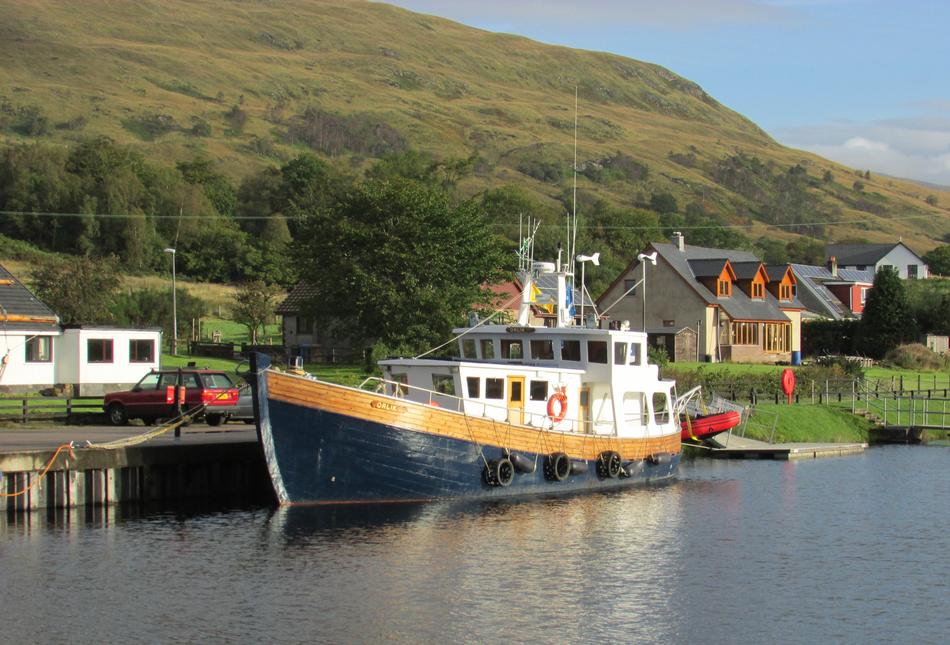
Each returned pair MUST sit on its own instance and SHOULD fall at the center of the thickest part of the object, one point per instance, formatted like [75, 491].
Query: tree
[254, 302]
[932, 200]
[887, 320]
[663, 203]
[828, 177]
[806, 250]
[79, 289]
[397, 261]
[858, 186]
[938, 260]
[151, 307]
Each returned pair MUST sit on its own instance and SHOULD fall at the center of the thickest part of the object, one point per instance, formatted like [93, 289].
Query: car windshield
[216, 381]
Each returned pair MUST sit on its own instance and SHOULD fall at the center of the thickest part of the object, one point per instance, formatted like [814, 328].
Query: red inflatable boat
[708, 425]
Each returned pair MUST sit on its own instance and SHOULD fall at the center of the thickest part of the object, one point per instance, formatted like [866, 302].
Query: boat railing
[455, 403]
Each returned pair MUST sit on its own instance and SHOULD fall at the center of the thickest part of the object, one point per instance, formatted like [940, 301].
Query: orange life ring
[560, 399]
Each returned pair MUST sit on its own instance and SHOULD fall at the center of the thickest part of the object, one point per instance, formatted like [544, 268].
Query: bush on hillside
[915, 356]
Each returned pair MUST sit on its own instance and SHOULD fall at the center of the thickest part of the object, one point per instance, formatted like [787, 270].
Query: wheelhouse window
[597, 351]
[39, 349]
[723, 288]
[570, 350]
[399, 385]
[661, 411]
[620, 353]
[539, 390]
[542, 350]
[141, 350]
[488, 348]
[473, 383]
[468, 348]
[99, 350]
[443, 384]
[494, 388]
[512, 349]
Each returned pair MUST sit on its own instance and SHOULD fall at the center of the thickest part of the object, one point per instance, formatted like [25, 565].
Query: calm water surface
[851, 549]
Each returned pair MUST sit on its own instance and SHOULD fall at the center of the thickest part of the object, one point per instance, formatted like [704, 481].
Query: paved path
[22, 439]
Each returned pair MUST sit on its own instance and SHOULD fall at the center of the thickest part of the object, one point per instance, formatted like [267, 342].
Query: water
[851, 549]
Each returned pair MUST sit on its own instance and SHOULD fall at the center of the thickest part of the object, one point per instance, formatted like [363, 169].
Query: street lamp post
[644, 258]
[174, 306]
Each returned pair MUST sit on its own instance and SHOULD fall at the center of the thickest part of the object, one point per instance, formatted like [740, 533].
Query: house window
[630, 288]
[777, 338]
[785, 292]
[473, 383]
[597, 351]
[862, 267]
[539, 390]
[141, 350]
[912, 271]
[443, 384]
[542, 350]
[39, 349]
[99, 350]
[304, 325]
[511, 349]
[468, 348]
[864, 295]
[758, 290]
[723, 288]
[488, 348]
[745, 333]
[570, 350]
[494, 388]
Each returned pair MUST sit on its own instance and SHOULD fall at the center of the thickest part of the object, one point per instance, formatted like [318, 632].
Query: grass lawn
[234, 332]
[814, 423]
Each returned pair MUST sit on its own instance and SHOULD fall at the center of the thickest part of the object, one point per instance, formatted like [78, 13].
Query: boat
[697, 428]
[523, 409]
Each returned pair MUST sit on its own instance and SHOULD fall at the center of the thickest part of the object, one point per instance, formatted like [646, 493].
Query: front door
[516, 399]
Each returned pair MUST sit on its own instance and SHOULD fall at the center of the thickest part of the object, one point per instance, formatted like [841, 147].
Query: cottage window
[912, 271]
[473, 383]
[777, 338]
[304, 325]
[785, 292]
[597, 351]
[494, 388]
[539, 391]
[570, 350]
[99, 350]
[758, 290]
[141, 350]
[723, 288]
[39, 349]
[745, 333]
[630, 288]
[864, 295]
[542, 350]
[512, 349]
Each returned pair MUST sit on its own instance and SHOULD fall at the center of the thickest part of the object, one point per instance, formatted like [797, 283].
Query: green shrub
[915, 356]
[657, 355]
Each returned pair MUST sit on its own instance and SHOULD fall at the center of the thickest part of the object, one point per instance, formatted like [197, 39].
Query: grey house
[871, 257]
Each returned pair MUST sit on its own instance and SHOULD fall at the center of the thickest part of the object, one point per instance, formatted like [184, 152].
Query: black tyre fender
[557, 466]
[499, 473]
[117, 414]
[609, 464]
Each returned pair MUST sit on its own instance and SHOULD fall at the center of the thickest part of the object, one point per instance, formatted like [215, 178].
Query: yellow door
[516, 399]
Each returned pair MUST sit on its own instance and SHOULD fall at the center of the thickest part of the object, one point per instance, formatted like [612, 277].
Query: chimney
[833, 266]
[679, 241]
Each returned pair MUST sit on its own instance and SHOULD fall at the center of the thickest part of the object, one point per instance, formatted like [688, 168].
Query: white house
[871, 257]
[38, 353]
[96, 359]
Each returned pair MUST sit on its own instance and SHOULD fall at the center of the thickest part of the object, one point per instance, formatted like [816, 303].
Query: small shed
[680, 345]
[937, 344]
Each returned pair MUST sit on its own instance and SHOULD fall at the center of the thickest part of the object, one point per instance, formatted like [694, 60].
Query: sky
[861, 82]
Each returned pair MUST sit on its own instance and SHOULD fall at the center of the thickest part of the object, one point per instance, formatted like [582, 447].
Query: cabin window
[141, 350]
[630, 288]
[99, 350]
[723, 288]
[400, 383]
[635, 353]
[515, 393]
[443, 384]
[539, 390]
[512, 349]
[39, 349]
[542, 350]
[473, 390]
[597, 351]
[494, 388]
[488, 348]
[620, 353]
[661, 411]
[570, 350]
[468, 348]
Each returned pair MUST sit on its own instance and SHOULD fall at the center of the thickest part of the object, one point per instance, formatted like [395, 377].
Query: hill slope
[253, 82]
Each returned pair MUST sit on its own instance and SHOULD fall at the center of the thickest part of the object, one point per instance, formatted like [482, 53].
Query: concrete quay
[729, 446]
[203, 463]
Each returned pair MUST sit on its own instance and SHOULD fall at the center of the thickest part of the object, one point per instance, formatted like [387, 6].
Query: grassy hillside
[251, 83]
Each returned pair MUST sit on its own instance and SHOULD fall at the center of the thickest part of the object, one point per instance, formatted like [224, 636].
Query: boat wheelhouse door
[516, 399]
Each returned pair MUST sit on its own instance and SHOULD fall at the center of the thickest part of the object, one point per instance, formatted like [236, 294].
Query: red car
[154, 396]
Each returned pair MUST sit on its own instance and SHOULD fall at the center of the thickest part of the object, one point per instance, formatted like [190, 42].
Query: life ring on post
[558, 400]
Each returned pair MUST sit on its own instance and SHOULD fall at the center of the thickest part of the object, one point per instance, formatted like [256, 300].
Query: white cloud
[916, 148]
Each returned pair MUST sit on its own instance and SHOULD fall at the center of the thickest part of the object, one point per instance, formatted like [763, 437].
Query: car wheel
[149, 421]
[214, 419]
[117, 414]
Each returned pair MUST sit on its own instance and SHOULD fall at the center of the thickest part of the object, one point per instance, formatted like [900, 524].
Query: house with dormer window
[740, 309]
